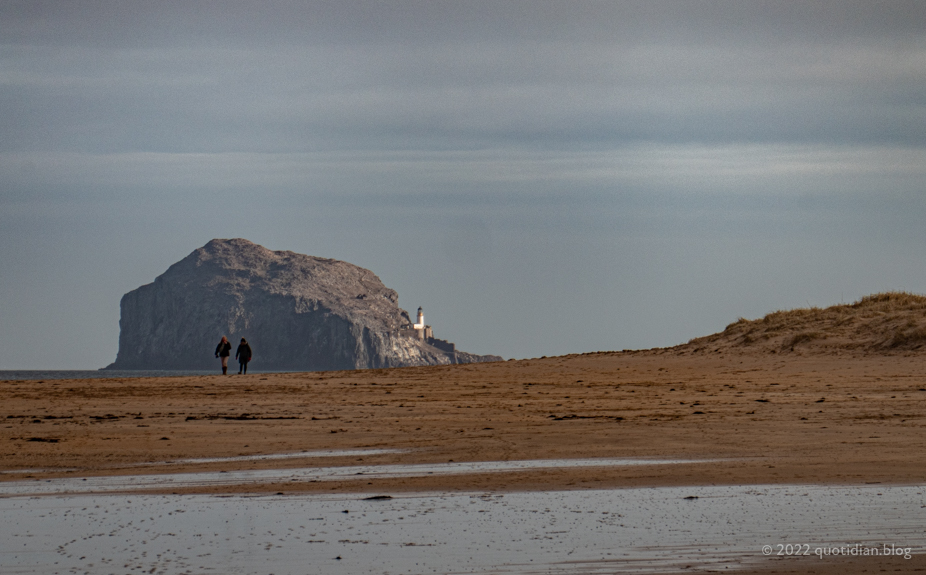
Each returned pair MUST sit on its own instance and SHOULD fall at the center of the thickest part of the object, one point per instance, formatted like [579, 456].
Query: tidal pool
[597, 531]
[259, 457]
[275, 456]
[308, 474]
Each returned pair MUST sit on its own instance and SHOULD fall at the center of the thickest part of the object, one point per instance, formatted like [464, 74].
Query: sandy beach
[819, 419]
[738, 419]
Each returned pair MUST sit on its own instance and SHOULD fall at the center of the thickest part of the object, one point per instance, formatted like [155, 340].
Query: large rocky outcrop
[298, 312]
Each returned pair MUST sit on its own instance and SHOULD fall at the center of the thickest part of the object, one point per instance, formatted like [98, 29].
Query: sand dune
[889, 323]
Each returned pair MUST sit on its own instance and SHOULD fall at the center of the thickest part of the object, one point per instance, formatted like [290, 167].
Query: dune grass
[878, 322]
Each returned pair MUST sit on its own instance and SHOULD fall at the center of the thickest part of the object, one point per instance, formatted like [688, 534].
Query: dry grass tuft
[877, 323]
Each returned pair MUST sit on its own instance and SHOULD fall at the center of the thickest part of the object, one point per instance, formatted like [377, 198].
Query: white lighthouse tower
[419, 329]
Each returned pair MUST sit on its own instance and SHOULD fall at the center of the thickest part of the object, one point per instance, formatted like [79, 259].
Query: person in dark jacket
[243, 355]
[223, 350]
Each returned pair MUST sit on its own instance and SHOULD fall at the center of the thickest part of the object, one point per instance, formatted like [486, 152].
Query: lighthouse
[419, 330]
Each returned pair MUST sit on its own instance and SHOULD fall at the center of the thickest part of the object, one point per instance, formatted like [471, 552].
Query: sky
[542, 177]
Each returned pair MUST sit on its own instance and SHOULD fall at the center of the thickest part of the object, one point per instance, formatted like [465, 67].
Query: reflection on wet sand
[124, 483]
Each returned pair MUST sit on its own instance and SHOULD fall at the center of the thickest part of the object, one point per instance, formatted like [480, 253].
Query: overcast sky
[542, 177]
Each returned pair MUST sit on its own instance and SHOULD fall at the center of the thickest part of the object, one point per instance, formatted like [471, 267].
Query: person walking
[243, 355]
[223, 350]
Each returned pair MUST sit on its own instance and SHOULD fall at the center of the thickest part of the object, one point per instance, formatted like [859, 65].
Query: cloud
[252, 24]
[644, 168]
[292, 77]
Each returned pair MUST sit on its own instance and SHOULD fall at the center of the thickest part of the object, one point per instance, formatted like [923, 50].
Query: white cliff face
[298, 312]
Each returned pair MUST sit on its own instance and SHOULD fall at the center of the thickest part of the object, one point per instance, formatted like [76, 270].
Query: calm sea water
[7, 375]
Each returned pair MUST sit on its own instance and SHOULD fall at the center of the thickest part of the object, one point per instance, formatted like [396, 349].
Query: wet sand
[633, 531]
[768, 419]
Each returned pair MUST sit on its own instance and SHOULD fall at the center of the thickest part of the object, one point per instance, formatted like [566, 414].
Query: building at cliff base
[424, 333]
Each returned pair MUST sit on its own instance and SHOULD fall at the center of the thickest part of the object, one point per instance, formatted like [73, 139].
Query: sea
[41, 374]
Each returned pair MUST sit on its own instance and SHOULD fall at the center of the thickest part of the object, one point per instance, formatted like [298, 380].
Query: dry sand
[790, 418]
